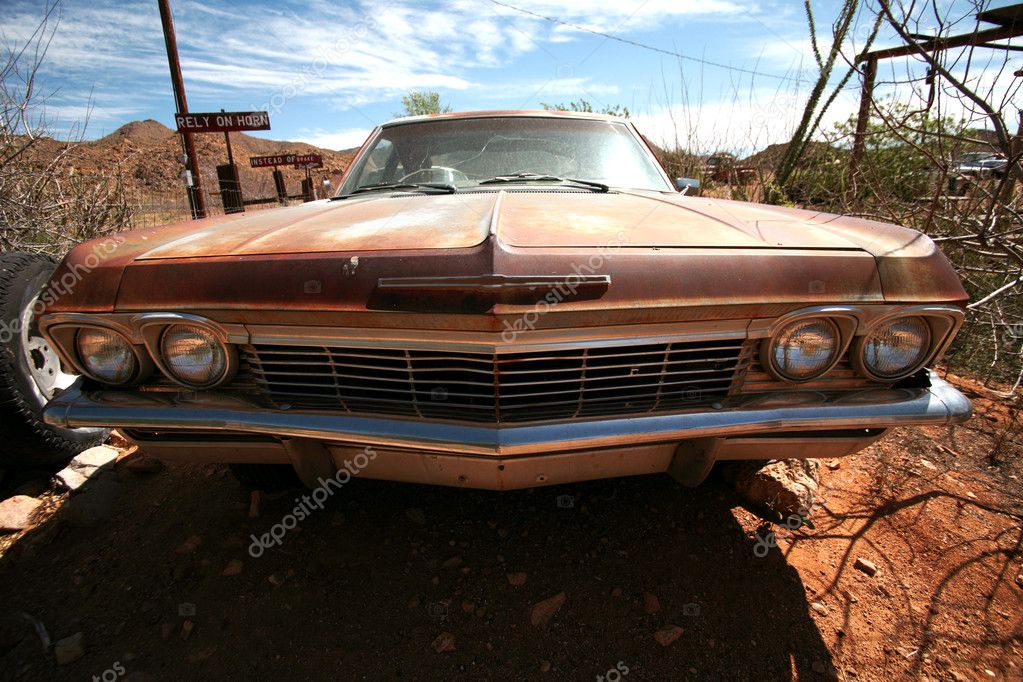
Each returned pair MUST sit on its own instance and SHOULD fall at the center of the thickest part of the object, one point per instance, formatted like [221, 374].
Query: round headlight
[193, 355]
[107, 356]
[805, 349]
[896, 348]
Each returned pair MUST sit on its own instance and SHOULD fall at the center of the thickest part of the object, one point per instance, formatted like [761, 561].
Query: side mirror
[690, 186]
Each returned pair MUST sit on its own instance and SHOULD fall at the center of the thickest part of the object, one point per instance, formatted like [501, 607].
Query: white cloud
[337, 140]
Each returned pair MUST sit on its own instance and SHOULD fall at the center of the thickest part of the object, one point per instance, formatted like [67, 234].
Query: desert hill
[145, 153]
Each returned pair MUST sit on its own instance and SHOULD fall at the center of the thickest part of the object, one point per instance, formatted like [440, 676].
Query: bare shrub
[46, 204]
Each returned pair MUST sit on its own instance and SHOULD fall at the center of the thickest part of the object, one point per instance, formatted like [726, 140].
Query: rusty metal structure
[1009, 24]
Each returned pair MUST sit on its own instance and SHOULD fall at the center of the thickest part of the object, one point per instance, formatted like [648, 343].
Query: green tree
[419, 103]
[584, 106]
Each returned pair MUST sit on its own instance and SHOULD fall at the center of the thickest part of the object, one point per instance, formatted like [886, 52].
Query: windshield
[469, 151]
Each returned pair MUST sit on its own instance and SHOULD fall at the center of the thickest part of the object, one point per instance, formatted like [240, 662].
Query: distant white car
[981, 165]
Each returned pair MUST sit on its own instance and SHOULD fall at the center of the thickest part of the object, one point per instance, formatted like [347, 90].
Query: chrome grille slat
[513, 385]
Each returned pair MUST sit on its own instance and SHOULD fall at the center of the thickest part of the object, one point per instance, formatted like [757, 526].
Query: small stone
[444, 643]
[69, 649]
[274, 580]
[543, 611]
[866, 566]
[94, 458]
[186, 629]
[651, 604]
[616, 592]
[144, 465]
[481, 611]
[468, 607]
[971, 495]
[70, 480]
[189, 546]
[453, 562]
[1019, 579]
[255, 503]
[16, 512]
[234, 567]
[834, 465]
[819, 608]
[166, 631]
[545, 666]
[669, 635]
[416, 516]
[517, 579]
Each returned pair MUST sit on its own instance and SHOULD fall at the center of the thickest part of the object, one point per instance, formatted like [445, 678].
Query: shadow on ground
[362, 588]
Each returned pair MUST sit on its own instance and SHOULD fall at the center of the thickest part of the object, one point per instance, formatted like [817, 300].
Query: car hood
[522, 219]
[641, 257]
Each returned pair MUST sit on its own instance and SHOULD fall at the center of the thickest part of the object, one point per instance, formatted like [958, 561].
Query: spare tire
[30, 373]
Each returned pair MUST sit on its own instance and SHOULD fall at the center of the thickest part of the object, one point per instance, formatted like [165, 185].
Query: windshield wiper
[539, 177]
[442, 187]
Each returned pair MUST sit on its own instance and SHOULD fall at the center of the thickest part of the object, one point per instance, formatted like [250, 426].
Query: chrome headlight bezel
[227, 359]
[926, 352]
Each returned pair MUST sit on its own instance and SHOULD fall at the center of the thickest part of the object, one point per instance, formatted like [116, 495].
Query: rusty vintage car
[502, 300]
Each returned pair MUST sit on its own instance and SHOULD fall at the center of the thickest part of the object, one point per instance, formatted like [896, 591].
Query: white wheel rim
[42, 361]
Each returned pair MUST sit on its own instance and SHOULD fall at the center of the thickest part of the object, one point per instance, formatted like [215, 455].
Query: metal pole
[196, 199]
[863, 116]
[227, 141]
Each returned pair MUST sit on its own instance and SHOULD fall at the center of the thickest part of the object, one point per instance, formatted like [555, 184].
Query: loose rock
[70, 480]
[93, 459]
[445, 642]
[669, 635]
[517, 579]
[542, 612]
[787, 486]
[866, 566]
[69, 649]
[651, 604]
[16, 512]
[234, 567]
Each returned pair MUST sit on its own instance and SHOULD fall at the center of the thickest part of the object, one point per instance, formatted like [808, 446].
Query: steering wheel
[455, 173]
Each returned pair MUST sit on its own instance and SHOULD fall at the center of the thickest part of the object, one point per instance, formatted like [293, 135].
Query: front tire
[30, 373]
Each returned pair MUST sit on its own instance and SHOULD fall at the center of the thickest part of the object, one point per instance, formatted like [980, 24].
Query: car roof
[504, 114]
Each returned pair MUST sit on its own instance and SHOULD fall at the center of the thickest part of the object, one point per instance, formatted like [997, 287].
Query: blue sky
[329, 71]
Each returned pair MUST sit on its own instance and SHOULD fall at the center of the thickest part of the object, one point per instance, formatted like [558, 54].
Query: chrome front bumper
[788, 412]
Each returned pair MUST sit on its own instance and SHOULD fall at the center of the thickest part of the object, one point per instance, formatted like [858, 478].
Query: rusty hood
[523, 219]
[657, 252]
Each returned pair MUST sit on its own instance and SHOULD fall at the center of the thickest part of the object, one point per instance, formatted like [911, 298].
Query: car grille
[534, 385]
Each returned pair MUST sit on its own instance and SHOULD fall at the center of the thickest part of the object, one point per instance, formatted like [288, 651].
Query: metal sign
[222, 121]
[296, 160]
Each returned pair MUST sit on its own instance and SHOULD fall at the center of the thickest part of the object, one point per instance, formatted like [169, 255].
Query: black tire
[27, 442]
[268, 477]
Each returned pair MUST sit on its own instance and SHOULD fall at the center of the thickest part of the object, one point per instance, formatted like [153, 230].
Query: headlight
[107, 356]
[193, 355]
[896, 348]
[805, 349]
